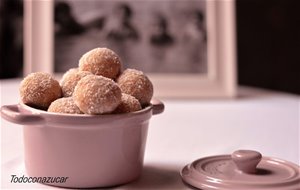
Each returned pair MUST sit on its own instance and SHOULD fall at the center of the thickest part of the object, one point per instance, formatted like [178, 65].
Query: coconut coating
[70, 80]
[39, 90]
[97, 95]
[101, 61]
[64, 105]
[128, 104]
[136, 84]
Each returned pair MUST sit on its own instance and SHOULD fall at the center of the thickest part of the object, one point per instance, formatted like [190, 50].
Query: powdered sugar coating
[101, 61]
[128, 104]
[70, 80]
[136, 84]
[97, 95]
[39, 90]
[64, 105]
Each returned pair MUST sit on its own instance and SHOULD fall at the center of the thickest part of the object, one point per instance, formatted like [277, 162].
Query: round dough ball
[64, 105]
[101, 61]
[128, 104]
[136, 84]
[97, 95]
[39, 90]
[70, 80]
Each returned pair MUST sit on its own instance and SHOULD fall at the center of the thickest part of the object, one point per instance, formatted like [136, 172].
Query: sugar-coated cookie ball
[97, 95]
[64, 105]
[70, 80]
[101, 61]
[128, 104]
[136, 84]
[39, 90]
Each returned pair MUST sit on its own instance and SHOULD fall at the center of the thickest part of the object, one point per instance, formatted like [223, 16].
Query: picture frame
[218, 82]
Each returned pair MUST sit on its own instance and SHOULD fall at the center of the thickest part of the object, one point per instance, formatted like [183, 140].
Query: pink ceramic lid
[243, 170]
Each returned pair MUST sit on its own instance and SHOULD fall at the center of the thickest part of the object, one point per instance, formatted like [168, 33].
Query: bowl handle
[12, 113]
[158, 106]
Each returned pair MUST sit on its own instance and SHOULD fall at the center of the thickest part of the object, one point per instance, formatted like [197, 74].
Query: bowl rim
[23, 114]
[46, 113]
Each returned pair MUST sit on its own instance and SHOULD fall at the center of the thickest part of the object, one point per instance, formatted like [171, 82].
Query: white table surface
[188, 129]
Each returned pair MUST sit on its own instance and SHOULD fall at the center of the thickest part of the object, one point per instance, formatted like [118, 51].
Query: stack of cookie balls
[97, 86]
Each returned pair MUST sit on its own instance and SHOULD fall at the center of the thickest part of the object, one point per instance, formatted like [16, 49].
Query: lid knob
[246, 160]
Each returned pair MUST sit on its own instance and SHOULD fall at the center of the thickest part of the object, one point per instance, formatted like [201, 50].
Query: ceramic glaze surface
[235, 172]
[92, 151]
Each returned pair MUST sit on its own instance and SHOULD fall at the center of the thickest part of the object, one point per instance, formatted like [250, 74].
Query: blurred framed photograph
[187, 48]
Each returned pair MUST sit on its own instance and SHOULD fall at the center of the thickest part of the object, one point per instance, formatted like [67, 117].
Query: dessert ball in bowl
[91, 128]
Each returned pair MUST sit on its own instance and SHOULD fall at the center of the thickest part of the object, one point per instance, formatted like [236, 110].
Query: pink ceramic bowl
[92, 151]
